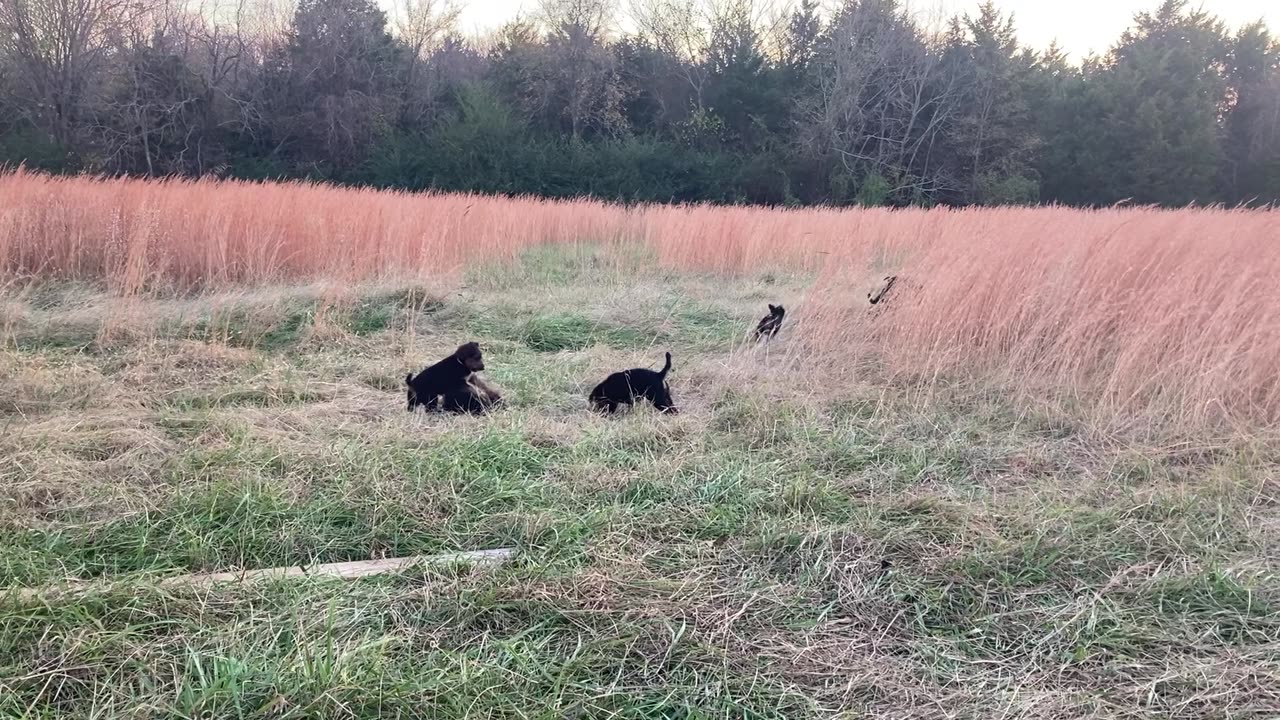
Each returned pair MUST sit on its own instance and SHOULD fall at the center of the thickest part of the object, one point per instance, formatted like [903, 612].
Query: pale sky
[1079, 26]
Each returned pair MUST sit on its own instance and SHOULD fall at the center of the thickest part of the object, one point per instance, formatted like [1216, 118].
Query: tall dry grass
[1139, 314]
[1152, 316]
[210, 233]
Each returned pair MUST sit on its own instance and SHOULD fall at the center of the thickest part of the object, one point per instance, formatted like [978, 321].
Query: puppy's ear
[773, 310]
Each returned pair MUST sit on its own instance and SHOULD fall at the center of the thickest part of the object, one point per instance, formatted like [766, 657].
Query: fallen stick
[344, 570]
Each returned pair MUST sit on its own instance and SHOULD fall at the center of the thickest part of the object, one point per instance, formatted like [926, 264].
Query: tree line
[697, 100]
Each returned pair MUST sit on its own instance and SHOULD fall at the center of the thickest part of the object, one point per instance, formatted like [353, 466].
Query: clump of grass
[579, 263]
[271, 323]
[553, 333]
[259, 396]
[557, 332]
[378, 311]
[228, 526]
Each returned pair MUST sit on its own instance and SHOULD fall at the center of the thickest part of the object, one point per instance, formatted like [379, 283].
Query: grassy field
[784, 548]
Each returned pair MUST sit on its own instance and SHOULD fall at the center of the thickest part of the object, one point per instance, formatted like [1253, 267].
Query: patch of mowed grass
[564, 322]
[47, 381]
[74, 334]
[187, 426]
[867, 453]
[565, 264]
[1072, 547]
[279, 324]
[56, 315]
[537, 380]
[398, 645]
[1235, 610]
[706, 326]
[239, 511]
[268, 395]
[377, 311]
[712, 495]
[633, 445]
[557, 332]
[269, 325]
[1075, 578]
[249, 525]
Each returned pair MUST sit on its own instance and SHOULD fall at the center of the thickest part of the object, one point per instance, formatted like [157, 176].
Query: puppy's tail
[666, 367]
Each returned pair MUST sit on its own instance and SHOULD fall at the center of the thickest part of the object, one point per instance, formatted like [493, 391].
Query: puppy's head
[596, 398]
[777, 311]
[469, 355]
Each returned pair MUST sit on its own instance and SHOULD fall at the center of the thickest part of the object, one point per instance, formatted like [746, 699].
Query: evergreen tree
[992, 137]
[742, 89]
[330, 93]
[1251, 172]
[1160, 93]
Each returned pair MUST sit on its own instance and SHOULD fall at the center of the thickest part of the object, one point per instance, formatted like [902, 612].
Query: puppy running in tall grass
[623, 388]
[882, 291]
[452, 384]
[770, 324]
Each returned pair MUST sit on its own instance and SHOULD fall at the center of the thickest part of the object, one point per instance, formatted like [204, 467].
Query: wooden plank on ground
[344, 570]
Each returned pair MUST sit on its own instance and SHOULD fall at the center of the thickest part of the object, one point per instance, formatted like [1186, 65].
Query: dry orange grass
[209, 233]
[1150, 315]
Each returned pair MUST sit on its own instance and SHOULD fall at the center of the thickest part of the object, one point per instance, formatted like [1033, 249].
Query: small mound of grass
[708, 326]
[560, 331]
[378, 311]
[554, 333]
[262, 396]
[565, 264]
[268, 327]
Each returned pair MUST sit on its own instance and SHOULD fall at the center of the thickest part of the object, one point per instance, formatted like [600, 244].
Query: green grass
[571, 264]
[381, 310]
[854, 554]
[555, 332]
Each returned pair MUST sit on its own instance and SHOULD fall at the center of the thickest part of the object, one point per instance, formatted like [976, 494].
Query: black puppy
[770, 324]
[450, 377]
[622, 388]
